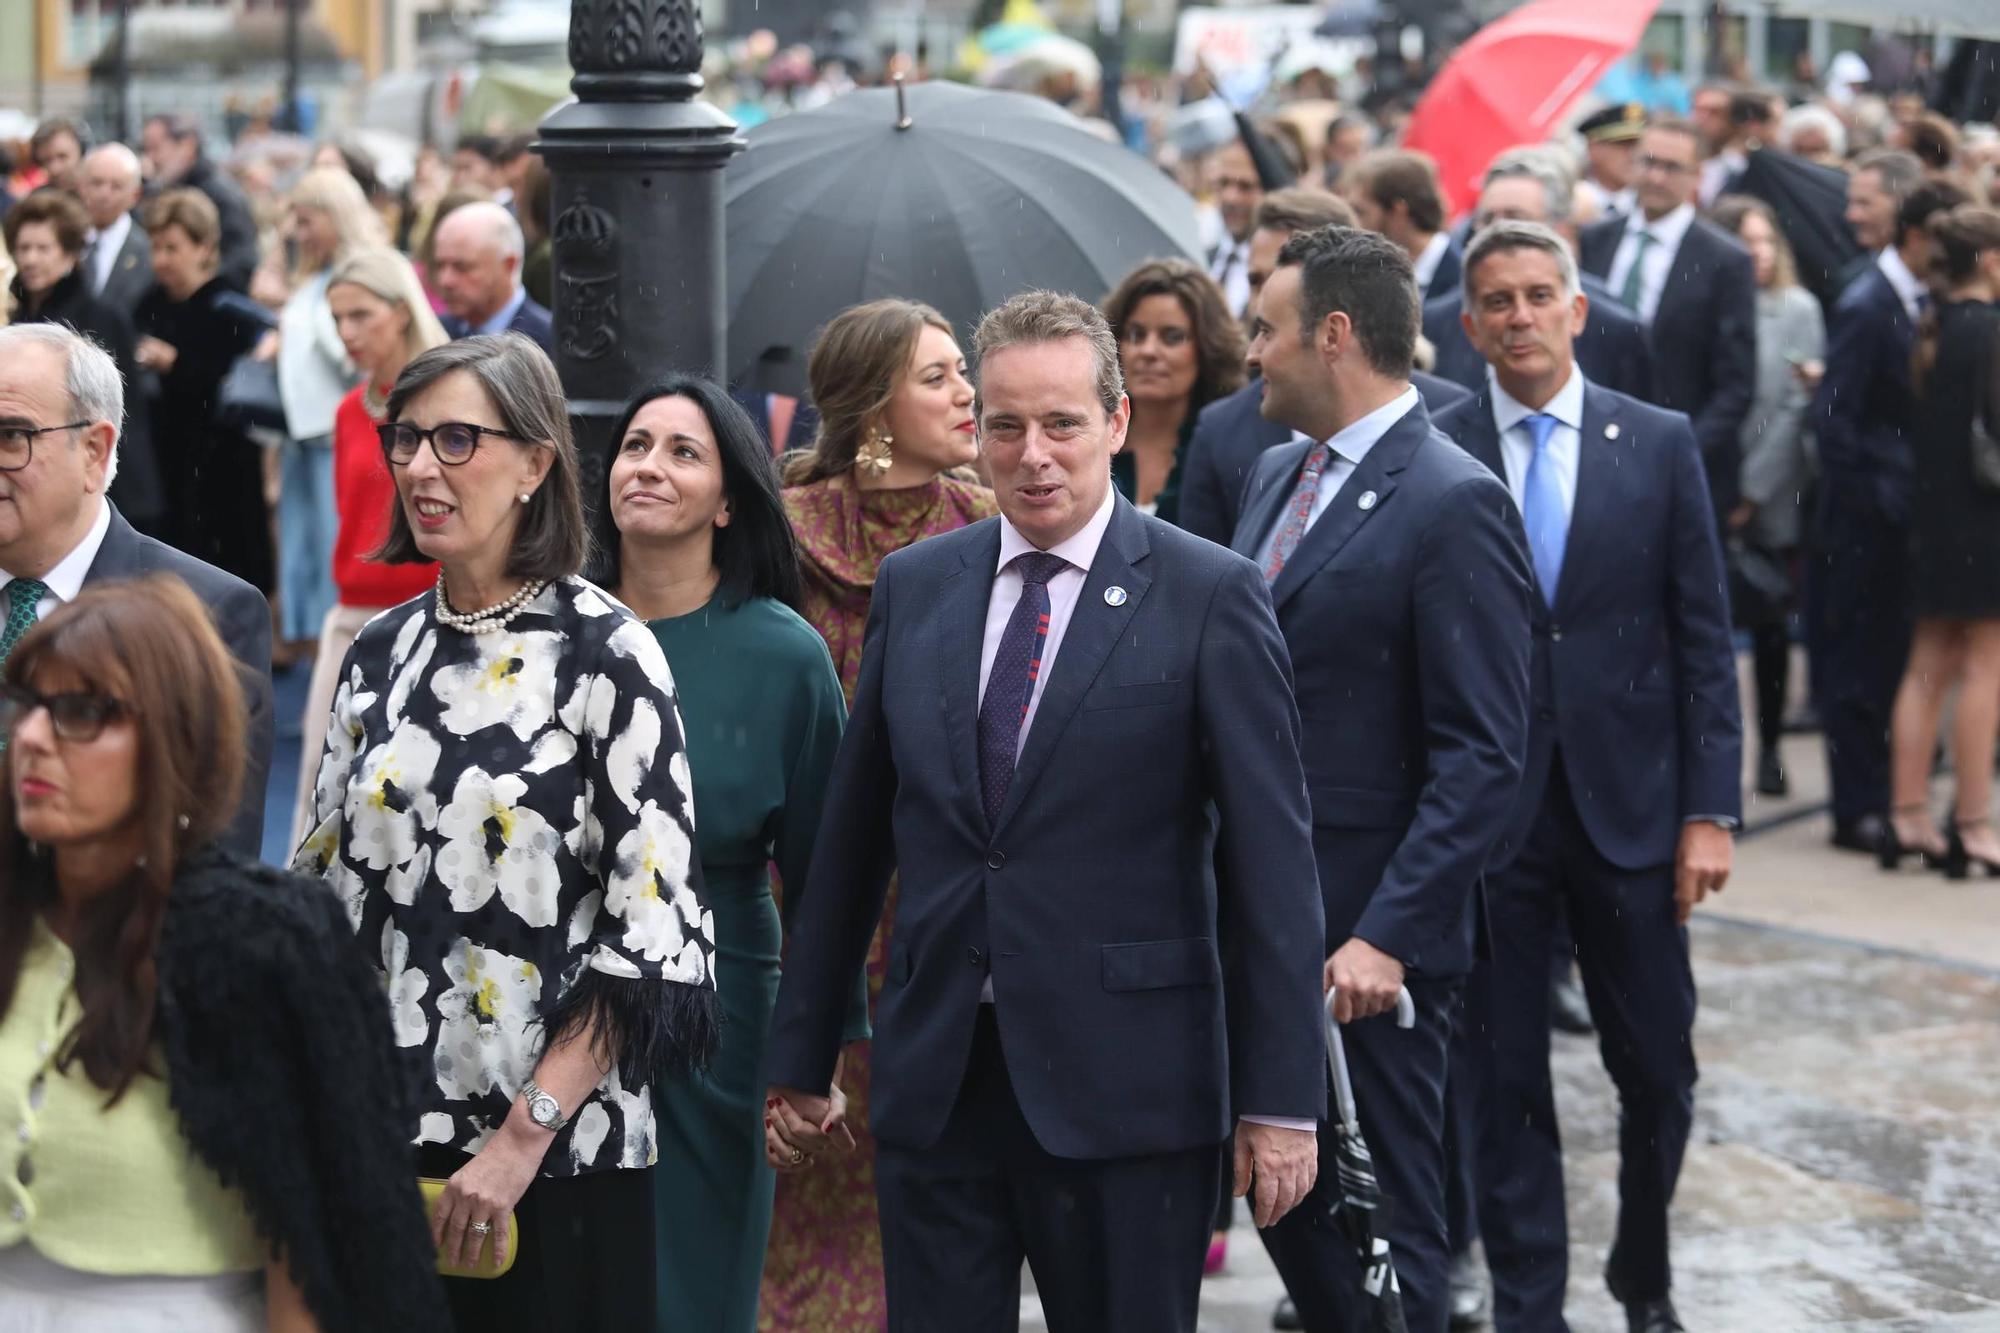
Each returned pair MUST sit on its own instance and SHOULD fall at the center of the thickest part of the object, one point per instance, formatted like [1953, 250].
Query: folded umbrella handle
[1336, 1054]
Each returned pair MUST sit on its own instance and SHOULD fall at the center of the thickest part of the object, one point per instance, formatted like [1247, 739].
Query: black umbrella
[957, 196]
[1358, 1203]
[1811, 203]
[1273, 173]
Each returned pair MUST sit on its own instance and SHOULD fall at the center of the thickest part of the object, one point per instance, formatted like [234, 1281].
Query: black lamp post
[637, 165]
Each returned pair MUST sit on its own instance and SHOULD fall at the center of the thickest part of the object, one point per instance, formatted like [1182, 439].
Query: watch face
[544, 1110]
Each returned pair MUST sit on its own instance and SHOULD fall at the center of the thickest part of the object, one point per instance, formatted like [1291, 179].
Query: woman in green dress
[695, 540]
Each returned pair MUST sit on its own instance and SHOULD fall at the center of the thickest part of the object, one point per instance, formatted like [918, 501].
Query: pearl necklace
[493, 617]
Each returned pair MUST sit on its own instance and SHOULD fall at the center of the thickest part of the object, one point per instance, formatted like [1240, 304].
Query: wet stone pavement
[1845, 1166]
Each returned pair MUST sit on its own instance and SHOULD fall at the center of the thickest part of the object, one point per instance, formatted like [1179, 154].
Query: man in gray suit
[60, 404]
[118, 263]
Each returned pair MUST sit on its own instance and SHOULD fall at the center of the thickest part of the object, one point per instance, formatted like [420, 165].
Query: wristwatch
[543, 1109]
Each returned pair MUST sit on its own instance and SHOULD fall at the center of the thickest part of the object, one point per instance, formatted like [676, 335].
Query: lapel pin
[1367, 500]
[1611, 431]
[1114, 596]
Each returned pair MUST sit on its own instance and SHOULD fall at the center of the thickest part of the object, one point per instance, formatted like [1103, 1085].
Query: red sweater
[363, 492]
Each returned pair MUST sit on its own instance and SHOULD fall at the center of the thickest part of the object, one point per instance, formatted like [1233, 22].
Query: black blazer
[1704, 339]
[1863, 410]
[1634, 674]
[1613, 348]
[1091, 899]
[1450, 266]
[131, 275]
[532, 319]
[1231, 434]
[243, 618]
[1407, 620]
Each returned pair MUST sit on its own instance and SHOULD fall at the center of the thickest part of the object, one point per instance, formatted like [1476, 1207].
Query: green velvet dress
[762, 711]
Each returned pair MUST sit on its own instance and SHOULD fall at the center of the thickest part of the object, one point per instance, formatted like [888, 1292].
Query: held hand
[1284, 1163]
[487, 1188]
[1739, 517]
[1366, 978]
[154, 354]
[1701, 865]
[267, 347]
[798, 1126]
[1809, 372]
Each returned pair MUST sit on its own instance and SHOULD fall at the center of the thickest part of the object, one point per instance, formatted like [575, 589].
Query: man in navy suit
[1233, 432]
[1632, 780]
[1401, 578]
[1395, 192]
[1613, 348]
[1050, 705]
[1694, 286]
[477, 269]
[1857, 624]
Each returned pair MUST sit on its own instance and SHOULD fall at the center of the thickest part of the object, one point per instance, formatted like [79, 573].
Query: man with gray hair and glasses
[60, 404]
[1528, 185]
[1632, 783]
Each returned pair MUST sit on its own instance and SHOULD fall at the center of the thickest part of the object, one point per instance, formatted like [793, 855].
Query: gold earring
[873, 457]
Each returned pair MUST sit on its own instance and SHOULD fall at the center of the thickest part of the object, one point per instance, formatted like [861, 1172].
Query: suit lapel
[1095, 628]
[966, 593]
[1592, 541]
[1480, 437]
[1680, 279]
[1345, 515]
[1603, 254]
[1255, 522]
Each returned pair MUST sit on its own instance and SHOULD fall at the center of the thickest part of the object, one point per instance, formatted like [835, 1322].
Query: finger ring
[481, 1228]
[798, 1155]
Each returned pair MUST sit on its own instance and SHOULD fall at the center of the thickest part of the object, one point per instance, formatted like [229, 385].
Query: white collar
[113, 236]
[1426, 264]
[1354, 442]
[65, 581]
[1908, 289]
[1566, 406]
[503, 319]
[1669, 231]
[1079, 548]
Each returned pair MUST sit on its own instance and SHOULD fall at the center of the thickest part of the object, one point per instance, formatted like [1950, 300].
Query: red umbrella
[1514, 80]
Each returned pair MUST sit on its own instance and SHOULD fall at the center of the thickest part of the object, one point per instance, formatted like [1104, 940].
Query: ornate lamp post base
[637, 167]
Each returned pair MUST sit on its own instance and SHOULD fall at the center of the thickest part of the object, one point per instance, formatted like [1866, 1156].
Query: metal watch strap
[533, 1091]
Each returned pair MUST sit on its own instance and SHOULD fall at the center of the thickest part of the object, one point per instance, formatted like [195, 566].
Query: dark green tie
[23, 596]
[1635, 277]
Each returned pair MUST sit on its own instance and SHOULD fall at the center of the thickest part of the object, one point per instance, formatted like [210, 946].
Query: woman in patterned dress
[888, 468]
[505, 807]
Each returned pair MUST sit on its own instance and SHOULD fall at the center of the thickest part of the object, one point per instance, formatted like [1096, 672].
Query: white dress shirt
[1231, 270]
[1667, 233]
[1349, 447]
[1909, 289]
[109, 244]
[1517, 446]
[1426, 263]
[1079, 550]
[65, 581]
[503, 318]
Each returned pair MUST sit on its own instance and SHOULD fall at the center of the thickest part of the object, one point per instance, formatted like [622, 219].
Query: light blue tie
[1542, 507]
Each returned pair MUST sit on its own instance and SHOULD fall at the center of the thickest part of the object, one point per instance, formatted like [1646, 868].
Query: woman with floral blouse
[504, 805]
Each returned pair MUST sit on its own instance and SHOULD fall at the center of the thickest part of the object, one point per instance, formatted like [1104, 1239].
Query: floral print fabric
[500, 813]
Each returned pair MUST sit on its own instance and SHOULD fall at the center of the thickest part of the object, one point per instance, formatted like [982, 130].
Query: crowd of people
[885, 838]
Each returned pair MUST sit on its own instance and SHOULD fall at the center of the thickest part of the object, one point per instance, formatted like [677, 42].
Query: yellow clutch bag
[485, 1267]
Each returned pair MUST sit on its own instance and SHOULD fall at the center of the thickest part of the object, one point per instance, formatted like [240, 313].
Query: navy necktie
[1010, 685]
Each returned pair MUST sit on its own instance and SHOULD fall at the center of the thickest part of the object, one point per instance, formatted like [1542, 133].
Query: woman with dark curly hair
[207, 1119]
[1180, 351]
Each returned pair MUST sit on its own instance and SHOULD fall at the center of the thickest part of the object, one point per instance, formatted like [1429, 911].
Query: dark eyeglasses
[76, 716]
[452, 442]
[17, 443]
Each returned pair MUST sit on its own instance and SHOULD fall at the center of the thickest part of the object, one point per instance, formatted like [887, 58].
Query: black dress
[136, 489]
[213, 476]
[1954, 522]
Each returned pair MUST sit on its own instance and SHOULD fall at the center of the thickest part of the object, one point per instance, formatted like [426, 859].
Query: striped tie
[1010, 685]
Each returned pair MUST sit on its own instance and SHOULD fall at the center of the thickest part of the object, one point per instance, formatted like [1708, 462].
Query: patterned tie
[23, 596]
[1298, 513]
[1010, 685]
[1542, 507]
[1635, 277]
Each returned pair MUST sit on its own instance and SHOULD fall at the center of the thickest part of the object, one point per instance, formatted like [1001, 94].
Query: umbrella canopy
[1514, 80]
[1811, 203]
[981, 195]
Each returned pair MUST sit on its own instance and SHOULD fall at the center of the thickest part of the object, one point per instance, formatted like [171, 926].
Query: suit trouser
[1633, 956]
[1399, 1096]
[1858, 637]
[1114, 1244]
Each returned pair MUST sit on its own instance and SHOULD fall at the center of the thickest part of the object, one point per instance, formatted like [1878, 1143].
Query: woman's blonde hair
[387, 276]
[858, 362]
[1729, 213]
[330, 190]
